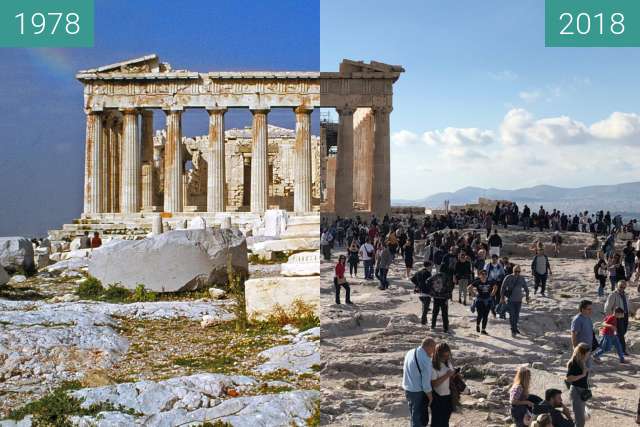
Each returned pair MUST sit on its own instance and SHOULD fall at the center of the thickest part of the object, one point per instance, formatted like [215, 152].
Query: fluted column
[147, 160]
[92, 168]
[344, 163]
[130, 171]
[381, 173]
[259, 162]
[105, 200]
[302, 163]
[216, 166]
[114, 161]
[173, 163]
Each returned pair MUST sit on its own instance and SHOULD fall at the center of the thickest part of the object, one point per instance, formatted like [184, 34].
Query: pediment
[143, 64]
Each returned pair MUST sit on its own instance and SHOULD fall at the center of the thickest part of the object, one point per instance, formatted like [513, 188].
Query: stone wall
[238, 150]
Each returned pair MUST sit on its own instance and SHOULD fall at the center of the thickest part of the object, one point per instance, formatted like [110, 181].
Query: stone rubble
[301, 356]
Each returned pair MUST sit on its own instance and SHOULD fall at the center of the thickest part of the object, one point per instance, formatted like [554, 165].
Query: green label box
[46, 23]
[592, 23]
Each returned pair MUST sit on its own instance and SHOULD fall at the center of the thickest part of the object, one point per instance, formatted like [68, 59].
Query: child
[609, 337]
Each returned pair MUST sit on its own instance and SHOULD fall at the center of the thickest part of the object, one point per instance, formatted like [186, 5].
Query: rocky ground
[363, 348]
[148, 363]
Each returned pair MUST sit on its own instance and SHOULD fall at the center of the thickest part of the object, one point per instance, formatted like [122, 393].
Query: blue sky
[41, 118]
[484, 103]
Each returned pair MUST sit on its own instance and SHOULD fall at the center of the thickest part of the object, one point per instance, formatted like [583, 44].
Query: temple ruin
[356, 178]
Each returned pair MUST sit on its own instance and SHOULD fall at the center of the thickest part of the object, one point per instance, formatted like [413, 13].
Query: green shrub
[116, 293]
[140, 294]
[90, 288]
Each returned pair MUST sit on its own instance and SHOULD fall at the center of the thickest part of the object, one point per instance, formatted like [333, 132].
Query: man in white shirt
[416, 382]
[366, 254]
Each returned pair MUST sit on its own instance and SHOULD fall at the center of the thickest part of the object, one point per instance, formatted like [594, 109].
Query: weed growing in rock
[314, 419]
[300, 314]
[90, 288]
[55, 408]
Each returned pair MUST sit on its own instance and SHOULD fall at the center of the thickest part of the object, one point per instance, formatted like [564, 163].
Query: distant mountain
[620, 198]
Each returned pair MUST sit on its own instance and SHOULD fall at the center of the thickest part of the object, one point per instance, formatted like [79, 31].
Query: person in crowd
[629, 254]
[416, 382]
[495, 243]
[367, 255]
[619, 300]
[488, 224]
[556, 240]
[384, 263]
[480, 261]
[443, 371]
[582, 327]
[507, 265]
[85, 241]
[541, 270]
[512, 291]
[483, 292]
[577, 377]
[419, 279]
[610, 245]
[522, 402]
[448, 266]
[440, 293]
[392, 243]
[462, 276]
[609, 336]
[552, 406]
[407, 253]
[616, 271]
[600, 270]
[495, 276]
[353, 258]
[341, 281]
[543, 420]
[325, 244]
[96, 241]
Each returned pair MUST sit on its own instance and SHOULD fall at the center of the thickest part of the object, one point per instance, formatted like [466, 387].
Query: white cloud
[530, 96]
[404, 137]
[459, 136]
[618, 126]
[504, 75]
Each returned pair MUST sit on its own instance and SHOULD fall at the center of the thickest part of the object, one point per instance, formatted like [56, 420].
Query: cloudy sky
[484, 103]
[42, 122]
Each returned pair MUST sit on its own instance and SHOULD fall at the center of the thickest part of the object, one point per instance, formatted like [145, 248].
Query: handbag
[585, 394]
[342, 280]
[458, 384]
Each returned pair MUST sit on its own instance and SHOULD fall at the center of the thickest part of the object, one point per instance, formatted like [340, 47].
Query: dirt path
[363, 347]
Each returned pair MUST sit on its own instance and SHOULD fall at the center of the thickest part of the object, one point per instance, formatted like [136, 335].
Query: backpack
[437, 257]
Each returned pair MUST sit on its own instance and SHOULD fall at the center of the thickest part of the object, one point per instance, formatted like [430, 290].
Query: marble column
[114, 161]
[130, 166]
[147, 161]
[105, 200]
[215, 161]
[344, 163]
[92, 167]
[381, 188]
[302, 162]
[259, 162]
[173, 163]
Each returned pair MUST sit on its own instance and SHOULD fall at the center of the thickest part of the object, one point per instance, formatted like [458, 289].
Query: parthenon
[119, 100]
[357, 178]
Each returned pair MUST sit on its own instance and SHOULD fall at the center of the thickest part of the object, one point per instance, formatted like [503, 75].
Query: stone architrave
[302, 264]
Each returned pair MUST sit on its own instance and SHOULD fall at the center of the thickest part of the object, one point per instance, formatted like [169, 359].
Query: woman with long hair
[521, 400]
[577, 376]
[443, 371]
[407, 252]
[340, 280]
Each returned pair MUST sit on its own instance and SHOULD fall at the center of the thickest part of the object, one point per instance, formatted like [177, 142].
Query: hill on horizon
[618, 198]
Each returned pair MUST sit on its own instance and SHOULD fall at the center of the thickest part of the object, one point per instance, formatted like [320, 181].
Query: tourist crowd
[473, 264]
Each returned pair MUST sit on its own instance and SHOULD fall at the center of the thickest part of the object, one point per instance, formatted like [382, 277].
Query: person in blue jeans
[514, 287]
[416, 382]
[609, 337]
